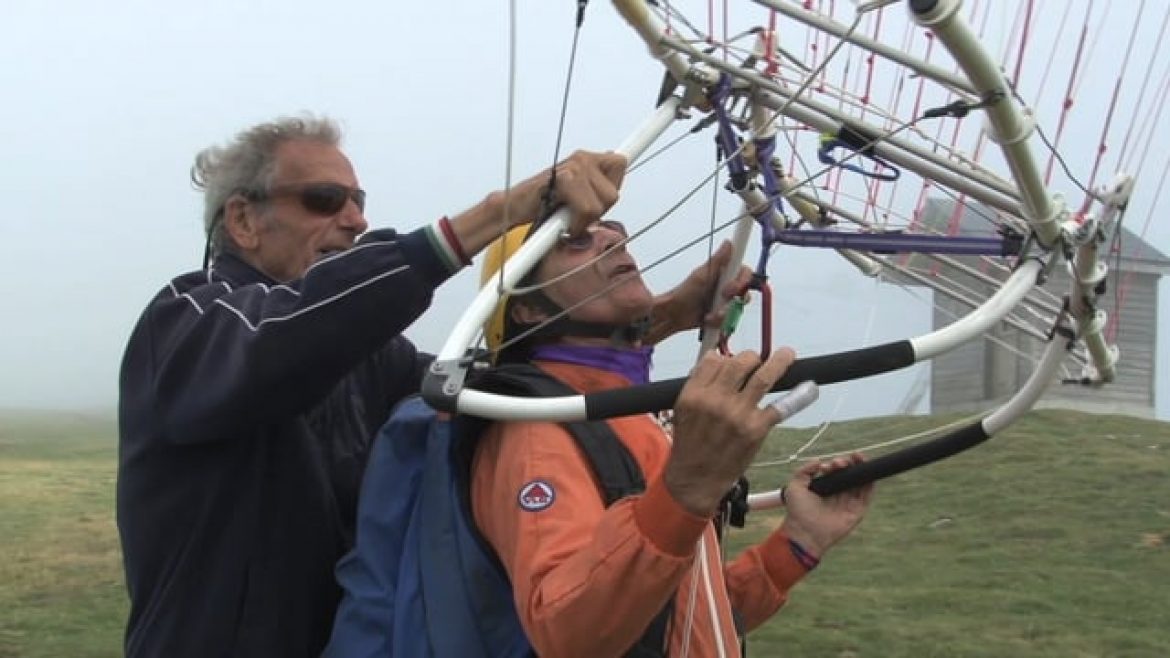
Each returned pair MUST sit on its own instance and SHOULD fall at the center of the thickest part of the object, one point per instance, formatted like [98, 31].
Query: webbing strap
[615, 468]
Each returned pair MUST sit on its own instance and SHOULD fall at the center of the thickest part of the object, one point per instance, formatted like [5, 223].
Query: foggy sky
[105, 105]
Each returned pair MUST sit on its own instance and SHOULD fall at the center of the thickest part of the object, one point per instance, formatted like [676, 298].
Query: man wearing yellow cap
[604, 569]
[677, 310]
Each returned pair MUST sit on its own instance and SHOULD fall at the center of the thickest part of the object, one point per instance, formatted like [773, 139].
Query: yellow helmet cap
[494, 257]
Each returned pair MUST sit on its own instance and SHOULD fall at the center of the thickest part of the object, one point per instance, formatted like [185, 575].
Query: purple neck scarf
[632, 363]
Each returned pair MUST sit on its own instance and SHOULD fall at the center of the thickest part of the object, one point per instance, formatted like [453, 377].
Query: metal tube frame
[444, 383]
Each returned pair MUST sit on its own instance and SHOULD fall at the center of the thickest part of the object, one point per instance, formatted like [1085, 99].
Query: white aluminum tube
[766, 500]
[819, 22]
[651, 29]
[533, 249]
[777, 96]
[981, 319]
[1026, 397]
[1088, 271]
[956, 293]
[993, 423]
[1010, 128]
[990, 190]
[739, 243]
[506, 407]
[864, 264]
[908, 156]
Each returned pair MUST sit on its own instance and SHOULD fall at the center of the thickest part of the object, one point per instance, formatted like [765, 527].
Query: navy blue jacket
[246, 413]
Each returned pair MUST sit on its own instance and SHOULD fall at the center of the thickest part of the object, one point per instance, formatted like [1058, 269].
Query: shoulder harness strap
[615, 468]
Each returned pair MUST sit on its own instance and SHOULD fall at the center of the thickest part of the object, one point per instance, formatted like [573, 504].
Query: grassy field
[1052, 540]
[61, 591]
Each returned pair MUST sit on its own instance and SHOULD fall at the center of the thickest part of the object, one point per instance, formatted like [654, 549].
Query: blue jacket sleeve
[210, 359]
[381, 607]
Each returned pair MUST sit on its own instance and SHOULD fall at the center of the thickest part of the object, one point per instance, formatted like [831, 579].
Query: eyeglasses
[319, 198]
[584, 241]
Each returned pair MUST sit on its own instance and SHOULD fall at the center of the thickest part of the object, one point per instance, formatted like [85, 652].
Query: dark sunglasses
[319, 198]
[585, 240]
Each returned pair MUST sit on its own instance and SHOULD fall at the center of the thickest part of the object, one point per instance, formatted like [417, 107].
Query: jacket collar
[238, 272]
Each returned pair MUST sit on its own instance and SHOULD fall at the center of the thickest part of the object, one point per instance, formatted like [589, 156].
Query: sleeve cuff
[782, 566]
[670, 527]
[428, 250]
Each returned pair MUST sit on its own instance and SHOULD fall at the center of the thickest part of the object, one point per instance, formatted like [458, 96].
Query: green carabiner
[734, 313]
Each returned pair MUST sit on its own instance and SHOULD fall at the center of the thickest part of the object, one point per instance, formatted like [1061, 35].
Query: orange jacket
[588, 580]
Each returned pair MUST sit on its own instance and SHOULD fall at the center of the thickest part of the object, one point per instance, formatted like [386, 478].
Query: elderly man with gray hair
[250, 388]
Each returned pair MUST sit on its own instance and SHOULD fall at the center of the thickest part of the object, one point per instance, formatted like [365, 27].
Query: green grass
[61, 590]
[1051, 540]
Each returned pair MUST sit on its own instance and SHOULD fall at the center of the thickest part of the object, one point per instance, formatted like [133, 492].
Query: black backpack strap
[615, 468]
[613, 465]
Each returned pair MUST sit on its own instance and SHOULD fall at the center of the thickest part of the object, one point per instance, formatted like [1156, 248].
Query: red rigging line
[1010, 44]
[1123, 287]
[1023, 44]
[845, 77]
[835, 175]
[855, 55]
[896, 102]
[980, 143]
[814, 48]
[916, 217]
[873, 186]
[954, 223]
[1091, 51]
[1113, 103]
[877, 28]
[770, 64]
[899, 77]
[975, 6]
[710, 22]
[1154, 122]
[810, 44]
[922, 78]
[1102, 145]
[1068, 99]
[1052, 54]
[1145, 87]
[893, 192]
[1127, 280]
[825, 44]
[725, 33]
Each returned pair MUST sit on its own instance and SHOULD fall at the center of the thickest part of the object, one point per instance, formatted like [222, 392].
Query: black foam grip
[901, 461]
[825, 369]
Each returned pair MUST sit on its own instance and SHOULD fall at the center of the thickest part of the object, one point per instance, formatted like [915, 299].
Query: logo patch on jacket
[537, 495]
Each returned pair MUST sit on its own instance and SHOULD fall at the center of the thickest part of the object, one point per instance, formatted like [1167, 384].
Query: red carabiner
[759, 284]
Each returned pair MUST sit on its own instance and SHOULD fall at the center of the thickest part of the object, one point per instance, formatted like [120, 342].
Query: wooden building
[985, 372]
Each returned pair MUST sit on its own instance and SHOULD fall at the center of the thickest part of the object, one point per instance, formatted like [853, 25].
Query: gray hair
[246, 164]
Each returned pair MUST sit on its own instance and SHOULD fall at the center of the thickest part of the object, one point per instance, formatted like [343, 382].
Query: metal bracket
[444, 381]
